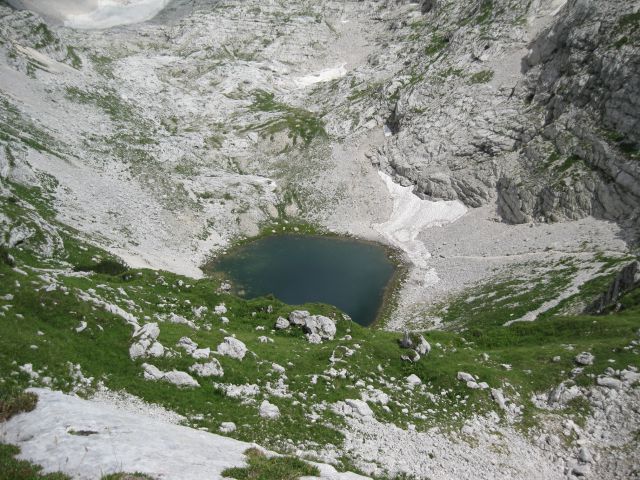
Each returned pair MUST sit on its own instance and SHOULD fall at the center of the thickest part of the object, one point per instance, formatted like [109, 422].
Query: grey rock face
[551, 134]
[627, 279]
[582, 78]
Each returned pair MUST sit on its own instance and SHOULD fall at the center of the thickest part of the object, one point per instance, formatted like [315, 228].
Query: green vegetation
[15, 401]
[437, 44]
[45, 36]
[483, 76]
[73, 58]
[12, 469]
[107, 100]
[262, 467]
[301, 124]
[14, 127]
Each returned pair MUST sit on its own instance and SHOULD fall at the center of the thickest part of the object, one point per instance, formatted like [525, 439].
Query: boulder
[584, 358]
[151, 372]
[360, 407]
[227, 427]
[413, 380]
[410, 356]
[201, 353]
[282, 323]
[189, 345]
[269, 410]
[320, 325]
[149, 331]
[232, 347]
[498, 397]
[181, 379]
[466, 377]
[209, 369]
[156, 350]
[314, 338]
[298, 317]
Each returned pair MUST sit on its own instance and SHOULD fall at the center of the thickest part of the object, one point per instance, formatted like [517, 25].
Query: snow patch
[410, 216]
[325, 75]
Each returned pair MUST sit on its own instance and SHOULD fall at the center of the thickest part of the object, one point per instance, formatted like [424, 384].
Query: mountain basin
[350, 274]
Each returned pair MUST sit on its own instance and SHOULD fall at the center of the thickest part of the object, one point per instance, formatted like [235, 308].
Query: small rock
[584, 358]
[227, 427]
[269, 410]
[181, 379]
[413, 380]
[466, 377]
[210, 369]
[201, 353]
[584, 455]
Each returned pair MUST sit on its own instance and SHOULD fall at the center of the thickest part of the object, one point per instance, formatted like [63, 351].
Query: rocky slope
[535, 103]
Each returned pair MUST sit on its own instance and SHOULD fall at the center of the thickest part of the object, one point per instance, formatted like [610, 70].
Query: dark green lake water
[297, 269]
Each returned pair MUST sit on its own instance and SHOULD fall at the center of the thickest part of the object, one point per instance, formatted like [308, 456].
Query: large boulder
[232, 347]
[320, 325]
[298, 317]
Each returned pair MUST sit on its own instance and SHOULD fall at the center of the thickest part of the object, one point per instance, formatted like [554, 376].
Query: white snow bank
[123, 441]
[325, 75]
[94, 13]
[411, 215]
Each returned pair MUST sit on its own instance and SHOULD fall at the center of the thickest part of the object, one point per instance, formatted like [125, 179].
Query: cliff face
[583, 85]
[535, 107]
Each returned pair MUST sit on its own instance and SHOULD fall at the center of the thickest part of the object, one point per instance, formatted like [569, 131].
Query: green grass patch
[484, 76]
[262, 467]
[299, 123]
[13, 469]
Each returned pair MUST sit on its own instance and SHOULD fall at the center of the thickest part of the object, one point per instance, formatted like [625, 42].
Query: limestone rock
[232, 347]
[609, 382]
[209, 369]
[282, 323]
[298, 317]
[181, 379]
[465, 377]
[227, 427]
[584, 358]
[269, 410]
[320, 325]
[413, 380]
[360, 407]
